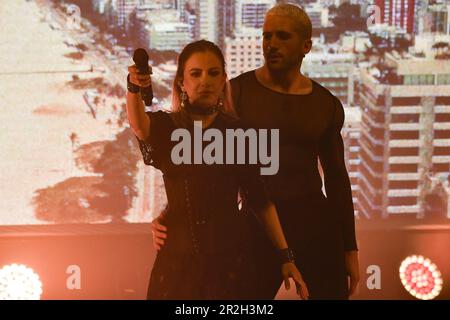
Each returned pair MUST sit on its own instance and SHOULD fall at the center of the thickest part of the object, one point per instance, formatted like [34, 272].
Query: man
[320, 230]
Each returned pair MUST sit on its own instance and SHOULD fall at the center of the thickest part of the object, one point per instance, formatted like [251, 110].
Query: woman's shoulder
[159, 113]
[161, 117]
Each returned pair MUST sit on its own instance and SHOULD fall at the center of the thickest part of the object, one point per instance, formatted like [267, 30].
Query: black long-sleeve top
[203, 215]
[310, 128]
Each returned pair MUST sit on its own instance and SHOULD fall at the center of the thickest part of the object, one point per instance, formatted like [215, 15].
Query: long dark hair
[179, 114]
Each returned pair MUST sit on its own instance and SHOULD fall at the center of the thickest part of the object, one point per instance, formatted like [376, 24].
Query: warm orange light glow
[18, 282]
[420, 277]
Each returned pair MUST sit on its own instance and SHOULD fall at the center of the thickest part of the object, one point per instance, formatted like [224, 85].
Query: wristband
[286, 255]
[131, 86]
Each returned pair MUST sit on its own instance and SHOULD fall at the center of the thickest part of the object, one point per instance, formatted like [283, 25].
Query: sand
[39, 111]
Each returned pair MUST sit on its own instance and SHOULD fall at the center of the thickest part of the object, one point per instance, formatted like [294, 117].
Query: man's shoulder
[242, 77]
[325, 94]
[323, 90]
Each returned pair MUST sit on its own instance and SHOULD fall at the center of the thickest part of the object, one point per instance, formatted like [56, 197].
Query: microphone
[140, 58]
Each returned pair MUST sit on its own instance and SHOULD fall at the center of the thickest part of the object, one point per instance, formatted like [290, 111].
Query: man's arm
[339, 192]
[337, 182]
[159, 230]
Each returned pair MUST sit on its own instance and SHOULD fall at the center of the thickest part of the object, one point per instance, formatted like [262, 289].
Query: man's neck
[289, 81]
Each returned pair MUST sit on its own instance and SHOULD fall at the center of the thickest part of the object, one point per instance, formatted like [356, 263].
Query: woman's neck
[205, 119]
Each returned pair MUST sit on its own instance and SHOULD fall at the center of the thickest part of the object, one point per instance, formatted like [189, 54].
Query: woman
[206, 252]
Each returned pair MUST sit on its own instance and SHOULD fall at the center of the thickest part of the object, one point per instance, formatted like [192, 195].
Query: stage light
[420, 277]
[18, 282]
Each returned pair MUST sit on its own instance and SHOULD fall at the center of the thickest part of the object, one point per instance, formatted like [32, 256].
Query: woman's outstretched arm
[139, 121]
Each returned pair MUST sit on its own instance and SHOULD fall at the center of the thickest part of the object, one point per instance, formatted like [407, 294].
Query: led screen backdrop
[68, 155]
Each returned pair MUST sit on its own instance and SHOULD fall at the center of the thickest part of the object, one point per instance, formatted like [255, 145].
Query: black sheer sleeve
[153, 147]
[337, 182]
[252, 189]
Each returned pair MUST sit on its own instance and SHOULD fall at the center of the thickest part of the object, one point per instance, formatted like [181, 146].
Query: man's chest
[297, 119]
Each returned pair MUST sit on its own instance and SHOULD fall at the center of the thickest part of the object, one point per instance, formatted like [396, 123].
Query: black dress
[205, 255]
[319, 229]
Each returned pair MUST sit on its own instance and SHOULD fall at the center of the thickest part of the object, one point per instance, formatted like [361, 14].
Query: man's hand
[159, 233]
[352, 267]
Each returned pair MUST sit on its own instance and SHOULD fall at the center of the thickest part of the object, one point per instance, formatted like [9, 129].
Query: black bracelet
[131, 86]
[286, 255]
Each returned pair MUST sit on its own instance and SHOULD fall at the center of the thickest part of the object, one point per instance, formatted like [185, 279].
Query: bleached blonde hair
[301, 18]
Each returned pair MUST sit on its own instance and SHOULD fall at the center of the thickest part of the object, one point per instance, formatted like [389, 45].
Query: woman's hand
[159, 233]
[289, 270]
[142, 80]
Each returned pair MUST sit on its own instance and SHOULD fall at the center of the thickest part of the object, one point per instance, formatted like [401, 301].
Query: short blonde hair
[293, 11]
